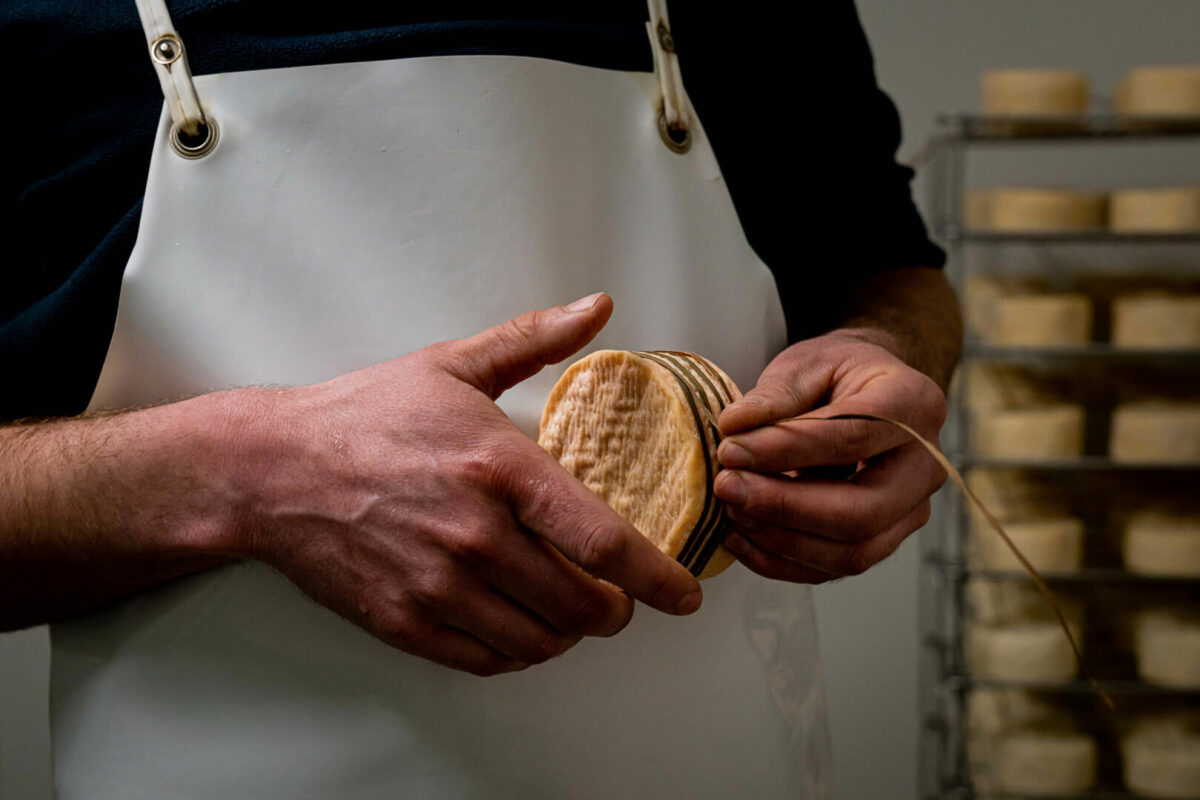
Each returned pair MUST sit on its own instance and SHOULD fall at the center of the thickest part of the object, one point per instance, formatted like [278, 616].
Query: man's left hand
[791, 520]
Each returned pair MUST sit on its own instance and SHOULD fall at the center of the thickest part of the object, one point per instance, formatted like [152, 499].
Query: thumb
[506, 354]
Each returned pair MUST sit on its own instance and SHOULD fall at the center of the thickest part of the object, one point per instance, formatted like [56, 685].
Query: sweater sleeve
[807, 143]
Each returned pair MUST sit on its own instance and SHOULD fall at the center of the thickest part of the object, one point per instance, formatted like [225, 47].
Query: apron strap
[673, 119]
[193, 135]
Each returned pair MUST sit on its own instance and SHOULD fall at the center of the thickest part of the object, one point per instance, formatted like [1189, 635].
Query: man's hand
[793, 526]
[400, 496]
[405, 500]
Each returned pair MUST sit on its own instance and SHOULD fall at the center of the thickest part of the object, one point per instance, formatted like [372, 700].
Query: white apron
[352, 213]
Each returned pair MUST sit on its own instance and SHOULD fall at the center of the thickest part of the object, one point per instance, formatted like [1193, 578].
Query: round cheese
[1045, 762]
[639, 430]
[992, 711]
[1037, 210]
[1155, 431]
[1034, 652]
[1162, 91]
[1016, 496]
[1158, 543]
[1002, 602]
[1034, 92]
[1167, 647]
[1156, 320]
[1042, 432]
[1042, 320]
[1051, 545]
[1160, 756]
[1173, 209]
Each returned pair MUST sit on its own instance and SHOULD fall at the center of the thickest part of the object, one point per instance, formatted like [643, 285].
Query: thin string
[991, 520]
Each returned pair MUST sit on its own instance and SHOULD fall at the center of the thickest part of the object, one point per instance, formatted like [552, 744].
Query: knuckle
[923, 514]
[401, 632]
[586, 616]
[856, 561]
[850, 438]
[472, 545]
[600, 546]
[857, 521]
[544, 647]
[932, 400]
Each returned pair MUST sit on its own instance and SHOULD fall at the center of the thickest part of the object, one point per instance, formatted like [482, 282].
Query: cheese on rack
[1045, 762]
[1167, 646]
[1005, 601]
[1051, 545]
[1045, 432]
[1042, 320]
[1156, 430]
[1160, 755]
[1013, 495]
[1159, 543]
[1156, 320]
[639, 430]
[1173, 209]
[1034, 92]
[1163, 91]
[1035, 210]
[1036, 652]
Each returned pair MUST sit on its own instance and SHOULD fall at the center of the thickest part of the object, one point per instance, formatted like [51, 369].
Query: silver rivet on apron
[166, 49]
[677, 139]
[196, 145]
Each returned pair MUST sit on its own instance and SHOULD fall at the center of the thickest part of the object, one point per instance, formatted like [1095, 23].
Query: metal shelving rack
[945, 681]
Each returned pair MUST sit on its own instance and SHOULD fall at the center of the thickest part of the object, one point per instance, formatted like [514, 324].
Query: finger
[772, 566]
[538, 577]
[551, 503]
[419, 636]
[503, 625]
[826, 555]
[851, 511]
[801, 444]
[506, 354]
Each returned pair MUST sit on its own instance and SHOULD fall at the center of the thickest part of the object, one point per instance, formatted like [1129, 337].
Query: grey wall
[929, 54]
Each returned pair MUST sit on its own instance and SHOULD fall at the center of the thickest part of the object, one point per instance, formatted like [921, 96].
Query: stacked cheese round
[1015, 495]
[639, 430]
[1164, 210]
[1042, 320]
[1035, 210]
[1044, 432]
[1000, 602]
[1035, 651]
[1155, 430]
[1156, 320]
[1021, 742]
[1167, 647]
[1034, 92]
[1161, 543]
[1160, 91]
[1160, 756]
[1050, 545]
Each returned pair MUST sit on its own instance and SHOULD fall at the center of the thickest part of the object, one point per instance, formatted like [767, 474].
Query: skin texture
[893, 358]
[441, 530]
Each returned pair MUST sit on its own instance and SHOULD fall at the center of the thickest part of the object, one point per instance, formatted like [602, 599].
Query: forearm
[95, 508]
[912, 312]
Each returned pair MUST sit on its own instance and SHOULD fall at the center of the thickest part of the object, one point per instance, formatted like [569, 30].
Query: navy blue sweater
[805, 187]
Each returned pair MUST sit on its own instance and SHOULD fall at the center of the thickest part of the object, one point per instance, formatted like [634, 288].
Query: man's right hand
[401, 497]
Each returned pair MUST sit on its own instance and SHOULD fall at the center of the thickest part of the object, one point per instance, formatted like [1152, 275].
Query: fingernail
[736, 545]
[731, 488]
[732, 454]
[584, 303]
[689, 604]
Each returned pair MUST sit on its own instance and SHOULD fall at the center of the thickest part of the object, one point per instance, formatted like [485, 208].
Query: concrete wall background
[929, 54]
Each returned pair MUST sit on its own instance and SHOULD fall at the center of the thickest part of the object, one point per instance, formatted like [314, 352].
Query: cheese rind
[1162, 90]
[1034, 92]
[1035, 210]
[1035, 652]
[1155, 431]
[1157, 543]
[1161, 756]
[639, 430]
[1045, 762]
[1042, 320]
[1050, 545]
[1156, 320]
[1167, 647]
[1045, 432]
[1161, 210]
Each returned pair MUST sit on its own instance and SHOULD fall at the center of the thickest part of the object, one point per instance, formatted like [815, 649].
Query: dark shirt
[805, 139]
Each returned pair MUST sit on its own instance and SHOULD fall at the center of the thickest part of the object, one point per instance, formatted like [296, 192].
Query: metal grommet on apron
[368, 210]
[673, 111]
[193, 134]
